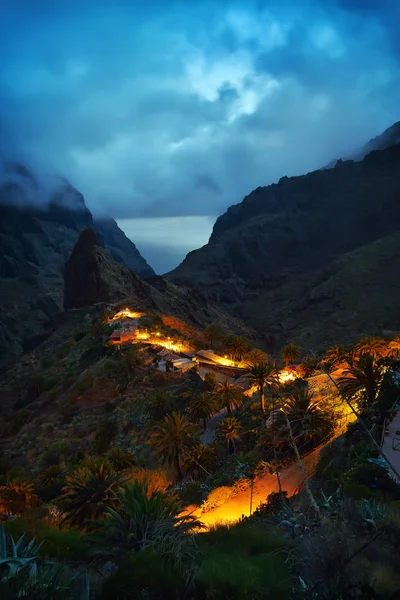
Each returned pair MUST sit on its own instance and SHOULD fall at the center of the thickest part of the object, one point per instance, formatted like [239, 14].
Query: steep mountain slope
[121, 248]
[280, 258]
[39, 227]
[92, 276]
[390, 137]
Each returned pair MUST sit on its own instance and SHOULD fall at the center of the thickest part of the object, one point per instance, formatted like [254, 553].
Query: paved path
[391, 444]
[208, 436]
[239, 505]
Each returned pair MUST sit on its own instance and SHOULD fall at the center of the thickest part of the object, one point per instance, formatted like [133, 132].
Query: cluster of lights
[127, 313]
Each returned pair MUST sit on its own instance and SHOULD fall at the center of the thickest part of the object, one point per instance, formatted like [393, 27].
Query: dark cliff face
[39, 227]
[120, 247]
[267, 255]
[92, 276]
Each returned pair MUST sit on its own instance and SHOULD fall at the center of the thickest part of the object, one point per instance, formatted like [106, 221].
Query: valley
[214, 422]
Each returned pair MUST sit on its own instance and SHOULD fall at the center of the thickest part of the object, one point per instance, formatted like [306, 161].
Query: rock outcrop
[91, 276]
[287, 257]
[39, 226]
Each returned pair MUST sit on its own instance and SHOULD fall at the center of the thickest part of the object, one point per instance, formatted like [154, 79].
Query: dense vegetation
[109, 465]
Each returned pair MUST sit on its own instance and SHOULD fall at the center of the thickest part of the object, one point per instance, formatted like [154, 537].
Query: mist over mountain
[40, 221]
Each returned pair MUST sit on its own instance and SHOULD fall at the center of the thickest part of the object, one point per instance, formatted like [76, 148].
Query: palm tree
[237, 346]
[256, 356]
[335, 355]
[160, 405]
[202, 407]
[17, 495]
[142, 522]
[120, 459]
[298, 458]
[213, 332]
[172, 438]
[394, 348]
[228, 395]
[199, 462]
[230, 428]
[364, 375]
[51, 481]
[89, 492]
[372, 345]
[262, 374]
[131, 359]
[290, 354]
[308, 421]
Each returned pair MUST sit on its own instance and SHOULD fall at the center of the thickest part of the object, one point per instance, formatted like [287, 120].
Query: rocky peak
[92, 276]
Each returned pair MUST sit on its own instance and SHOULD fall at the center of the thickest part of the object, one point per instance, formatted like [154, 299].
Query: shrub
[85, 382]
[192, 493]
[242, 562]
[210, 381]
[120, 459]
[35, 387]
[50, 482]
[64, 350]
[357, 491]
[143, 575]
[106, 434]
[79, 334]
[54, 454]
[376, 478]
[58, 544]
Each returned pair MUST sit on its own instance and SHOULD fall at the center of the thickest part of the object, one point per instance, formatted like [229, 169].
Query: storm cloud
[178, 109]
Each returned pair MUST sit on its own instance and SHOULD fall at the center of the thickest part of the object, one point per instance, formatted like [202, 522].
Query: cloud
[169, 109]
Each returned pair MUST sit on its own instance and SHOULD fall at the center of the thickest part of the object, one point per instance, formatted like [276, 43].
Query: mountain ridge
[281, 233]
[39, 227]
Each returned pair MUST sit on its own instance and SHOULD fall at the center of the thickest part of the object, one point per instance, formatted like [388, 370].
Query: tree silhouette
[172, 438]
[230, 429]
[336, 355]
[290, 354]
[228, 395]
[89, 492]
[213, 333]
[202, 407]
[237, 346]
[308, 421]
[365, 375]
[375, 346]
[199, 461]
[261, 375]
[142, 521]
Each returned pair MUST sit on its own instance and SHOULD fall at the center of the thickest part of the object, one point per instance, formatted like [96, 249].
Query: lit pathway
[390, 440]
[239, 505]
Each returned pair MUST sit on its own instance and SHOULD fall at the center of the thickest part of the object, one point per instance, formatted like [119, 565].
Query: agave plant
[23, 574]
[15, 556]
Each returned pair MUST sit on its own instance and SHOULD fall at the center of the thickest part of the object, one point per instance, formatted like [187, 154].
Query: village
[176, 354]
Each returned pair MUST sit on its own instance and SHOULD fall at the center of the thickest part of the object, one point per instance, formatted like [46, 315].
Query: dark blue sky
[165, 113]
